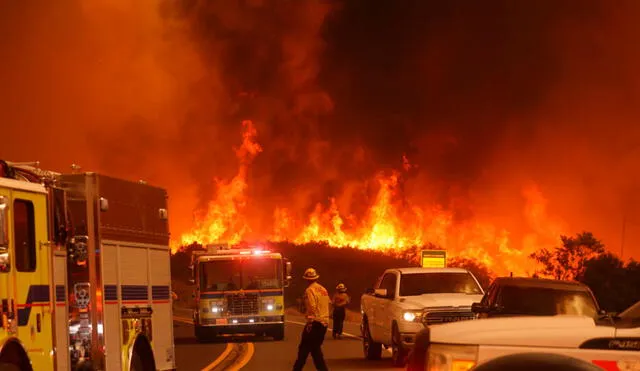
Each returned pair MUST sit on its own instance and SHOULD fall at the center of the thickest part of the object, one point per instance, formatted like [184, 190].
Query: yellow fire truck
[84, 272]
[239, 290]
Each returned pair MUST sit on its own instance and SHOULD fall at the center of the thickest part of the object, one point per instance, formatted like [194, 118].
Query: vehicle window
[220, 275]
[438, 283]
[246, 274]
[24, 235]
[544, 301]
[486, 299]
[378, 284]
[259, 274]
[389, 283]
[633, 312]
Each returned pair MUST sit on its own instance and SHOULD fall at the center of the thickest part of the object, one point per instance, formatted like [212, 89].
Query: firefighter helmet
[341, 287]
[310, 274]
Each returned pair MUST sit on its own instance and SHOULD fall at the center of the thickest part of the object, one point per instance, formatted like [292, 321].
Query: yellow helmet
[310, 274]
[341, 287]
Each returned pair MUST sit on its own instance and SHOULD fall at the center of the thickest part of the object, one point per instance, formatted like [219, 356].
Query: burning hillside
[391, 222]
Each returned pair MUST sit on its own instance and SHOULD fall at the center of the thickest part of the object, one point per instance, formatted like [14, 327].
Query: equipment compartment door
[6, 292]
[30, 269]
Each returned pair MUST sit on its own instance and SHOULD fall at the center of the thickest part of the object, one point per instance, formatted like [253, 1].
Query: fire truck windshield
[246, 274]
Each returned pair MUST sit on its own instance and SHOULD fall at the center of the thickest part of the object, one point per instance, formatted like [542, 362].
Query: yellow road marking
[221, 358]
[246, 357]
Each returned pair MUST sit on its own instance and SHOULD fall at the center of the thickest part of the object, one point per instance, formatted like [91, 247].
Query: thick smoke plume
[496, 103]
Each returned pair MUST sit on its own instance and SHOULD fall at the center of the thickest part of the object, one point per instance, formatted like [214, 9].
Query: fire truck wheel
[13, 357]
[142, 356]
[278, 334]
[203, 335]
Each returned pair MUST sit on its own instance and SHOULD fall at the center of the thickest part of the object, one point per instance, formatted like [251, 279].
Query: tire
[278, 335]
[136, 363]
[371, 349]
[8, 367]
[399, 353]
[14, 357]
[200, 334]
[142, 356]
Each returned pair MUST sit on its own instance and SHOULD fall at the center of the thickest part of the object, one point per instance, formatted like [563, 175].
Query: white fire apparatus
[84, 272]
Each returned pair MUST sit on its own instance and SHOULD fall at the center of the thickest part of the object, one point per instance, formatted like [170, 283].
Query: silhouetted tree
[480, 270]
[181, 260]
[604, 274]
[567, 261]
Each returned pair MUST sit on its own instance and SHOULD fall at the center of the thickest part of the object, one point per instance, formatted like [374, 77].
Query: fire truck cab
[239, 291]
[84, 272]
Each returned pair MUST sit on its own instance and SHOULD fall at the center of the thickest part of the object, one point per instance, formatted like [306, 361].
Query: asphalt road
[190, 355]
[253, 354]
[342, 354]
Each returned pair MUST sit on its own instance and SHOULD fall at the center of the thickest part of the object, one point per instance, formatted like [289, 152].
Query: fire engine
[239, 290]
[84, 272]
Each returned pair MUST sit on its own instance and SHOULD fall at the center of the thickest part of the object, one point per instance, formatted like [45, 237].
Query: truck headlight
[451, 357]
[412, 316]
[269, 305]
[217, 307]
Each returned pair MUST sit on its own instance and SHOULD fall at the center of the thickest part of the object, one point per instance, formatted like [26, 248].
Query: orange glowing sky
[486, 129]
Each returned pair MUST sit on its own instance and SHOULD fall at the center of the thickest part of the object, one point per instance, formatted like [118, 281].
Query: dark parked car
[525, 296]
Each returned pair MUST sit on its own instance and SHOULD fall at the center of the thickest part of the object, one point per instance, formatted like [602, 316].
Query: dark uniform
[340, 301]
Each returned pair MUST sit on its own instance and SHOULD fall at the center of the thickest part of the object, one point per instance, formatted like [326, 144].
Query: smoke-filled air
[486, 128]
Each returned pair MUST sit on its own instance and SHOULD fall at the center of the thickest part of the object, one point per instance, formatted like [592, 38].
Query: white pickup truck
[613, 344]
[405, 300]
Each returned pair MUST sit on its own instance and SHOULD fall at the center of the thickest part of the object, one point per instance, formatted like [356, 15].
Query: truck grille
[242, 304]
[438, 317]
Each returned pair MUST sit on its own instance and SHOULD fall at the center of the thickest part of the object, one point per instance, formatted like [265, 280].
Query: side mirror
[192, 281]
[287, 269]
[287, 273]
[479, 308]
[381, 293]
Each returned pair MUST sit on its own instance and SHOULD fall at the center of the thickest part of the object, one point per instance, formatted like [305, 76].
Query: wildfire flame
[391, 224]
[224, 219]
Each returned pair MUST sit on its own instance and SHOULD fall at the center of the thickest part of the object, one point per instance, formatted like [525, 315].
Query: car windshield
[438, 283]
[245, 274]
[632, 313]
[544, 301]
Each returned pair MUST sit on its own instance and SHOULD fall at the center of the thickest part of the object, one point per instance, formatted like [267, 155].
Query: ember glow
[391, 223]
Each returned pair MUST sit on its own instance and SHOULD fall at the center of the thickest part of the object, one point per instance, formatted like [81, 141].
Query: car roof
[541, 282]
[415, 270]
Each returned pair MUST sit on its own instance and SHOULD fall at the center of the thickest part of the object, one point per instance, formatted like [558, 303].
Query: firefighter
[340, 301]
[316, 303]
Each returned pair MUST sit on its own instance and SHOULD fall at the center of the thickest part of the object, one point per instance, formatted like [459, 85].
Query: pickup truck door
[371, 308]
[386, 312]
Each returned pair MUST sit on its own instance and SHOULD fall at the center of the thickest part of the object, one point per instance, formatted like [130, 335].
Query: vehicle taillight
[607, 365]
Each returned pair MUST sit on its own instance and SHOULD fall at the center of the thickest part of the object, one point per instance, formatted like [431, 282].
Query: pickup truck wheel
[399, 353]
[278, 334]
[371, 349]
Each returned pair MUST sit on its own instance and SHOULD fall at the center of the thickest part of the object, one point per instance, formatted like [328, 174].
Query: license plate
[221, 321]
